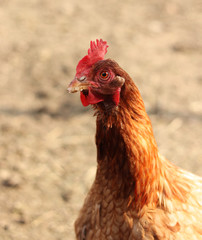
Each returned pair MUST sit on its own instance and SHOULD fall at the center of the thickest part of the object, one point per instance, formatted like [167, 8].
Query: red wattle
[91, 98]
[84, 99]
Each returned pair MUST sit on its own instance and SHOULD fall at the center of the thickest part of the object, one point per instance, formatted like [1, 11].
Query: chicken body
[108, 215]
[137, 194]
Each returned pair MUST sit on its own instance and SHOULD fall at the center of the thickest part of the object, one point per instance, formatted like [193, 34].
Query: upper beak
[78, 84]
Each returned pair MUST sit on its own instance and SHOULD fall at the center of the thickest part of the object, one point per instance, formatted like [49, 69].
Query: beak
[78, 84]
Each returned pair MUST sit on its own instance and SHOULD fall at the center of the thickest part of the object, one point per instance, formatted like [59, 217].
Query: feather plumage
[137, 193]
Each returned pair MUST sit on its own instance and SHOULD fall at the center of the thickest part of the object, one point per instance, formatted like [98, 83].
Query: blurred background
[47, 150]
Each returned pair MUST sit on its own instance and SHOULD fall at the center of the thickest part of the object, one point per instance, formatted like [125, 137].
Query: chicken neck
[127, 153]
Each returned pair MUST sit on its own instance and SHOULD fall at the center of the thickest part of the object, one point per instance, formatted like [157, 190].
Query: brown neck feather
[127, 151]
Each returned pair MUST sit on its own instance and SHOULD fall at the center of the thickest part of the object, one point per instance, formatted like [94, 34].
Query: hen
[137, 194]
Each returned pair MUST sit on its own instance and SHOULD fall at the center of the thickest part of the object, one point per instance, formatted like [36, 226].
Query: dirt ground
[47, 150]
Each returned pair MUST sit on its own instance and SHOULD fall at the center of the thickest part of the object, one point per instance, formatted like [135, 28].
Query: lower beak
[77, 85]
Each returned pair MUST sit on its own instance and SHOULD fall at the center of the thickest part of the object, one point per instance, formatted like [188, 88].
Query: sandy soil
[47, 151]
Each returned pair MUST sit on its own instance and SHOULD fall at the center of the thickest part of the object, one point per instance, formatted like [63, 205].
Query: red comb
[96, 52]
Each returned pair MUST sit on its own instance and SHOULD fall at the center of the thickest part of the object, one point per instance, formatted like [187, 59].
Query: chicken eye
[104, 75]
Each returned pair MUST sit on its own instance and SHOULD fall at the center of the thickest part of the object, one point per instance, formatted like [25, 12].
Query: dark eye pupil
[104, 74]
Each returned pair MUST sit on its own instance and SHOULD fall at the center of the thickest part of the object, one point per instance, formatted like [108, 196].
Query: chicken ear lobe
[117, 83]
[116, 96]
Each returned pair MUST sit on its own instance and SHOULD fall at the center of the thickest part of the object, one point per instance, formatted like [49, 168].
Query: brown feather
[137, 194]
